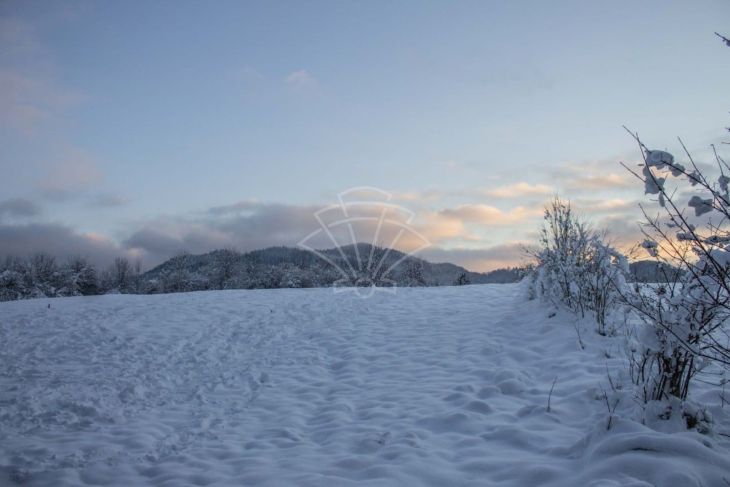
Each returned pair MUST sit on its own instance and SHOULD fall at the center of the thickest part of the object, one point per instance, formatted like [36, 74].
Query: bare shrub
[686, 318]
[575, 267]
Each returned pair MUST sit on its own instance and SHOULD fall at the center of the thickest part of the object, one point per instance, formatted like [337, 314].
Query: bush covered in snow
[686, 321]
[667, 352]
[575, 267]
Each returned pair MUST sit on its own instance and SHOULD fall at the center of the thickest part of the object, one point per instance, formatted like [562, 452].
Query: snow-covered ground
[430, 386]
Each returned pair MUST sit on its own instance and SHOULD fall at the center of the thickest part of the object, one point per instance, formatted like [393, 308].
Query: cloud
[28, 93]
[243, 226]
[592, 176]
[301, 80]
[599, 182]
[69, 177]
[248, 225]
[158, 242]
[58, 240]
[439, 227]
[235, 208]
[510, 254]
[19, 208]
[608, 205]
[520, 189]
[426, 196]
[26, 101]
[510, 191]
[107, 200]
[622, 231]
[492, 216]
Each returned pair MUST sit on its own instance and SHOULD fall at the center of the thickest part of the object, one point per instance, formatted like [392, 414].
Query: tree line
[43, 275]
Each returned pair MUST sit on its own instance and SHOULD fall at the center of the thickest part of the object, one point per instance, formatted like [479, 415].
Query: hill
[286, 267]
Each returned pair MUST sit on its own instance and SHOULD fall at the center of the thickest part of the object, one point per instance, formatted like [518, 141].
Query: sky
[146, 129]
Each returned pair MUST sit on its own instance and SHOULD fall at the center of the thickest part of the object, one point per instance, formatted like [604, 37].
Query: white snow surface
[430, 386]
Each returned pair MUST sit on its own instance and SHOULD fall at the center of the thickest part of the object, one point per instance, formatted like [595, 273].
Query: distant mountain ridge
[277, 267]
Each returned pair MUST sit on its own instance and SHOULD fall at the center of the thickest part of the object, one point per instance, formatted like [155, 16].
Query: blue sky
[123, 123]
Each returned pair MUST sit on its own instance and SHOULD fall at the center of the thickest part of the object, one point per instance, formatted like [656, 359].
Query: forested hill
[42, 275]
[277, 267]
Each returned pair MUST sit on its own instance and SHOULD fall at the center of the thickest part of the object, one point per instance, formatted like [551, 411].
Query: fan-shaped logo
[358, 236]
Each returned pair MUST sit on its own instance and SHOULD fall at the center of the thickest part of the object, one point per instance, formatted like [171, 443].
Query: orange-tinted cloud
[492, 216]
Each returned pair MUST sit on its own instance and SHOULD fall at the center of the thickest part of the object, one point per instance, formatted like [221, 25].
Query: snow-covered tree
[45, 275]
[13, 281]
[122, 274]
[83, 276]
[462, 280]
[178, 277]
[413, 272]
[223, 268]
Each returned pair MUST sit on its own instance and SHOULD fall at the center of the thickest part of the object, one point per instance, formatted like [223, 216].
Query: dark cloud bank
[242, 226]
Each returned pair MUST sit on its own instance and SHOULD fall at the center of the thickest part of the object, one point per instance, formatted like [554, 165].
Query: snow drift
[430, 386]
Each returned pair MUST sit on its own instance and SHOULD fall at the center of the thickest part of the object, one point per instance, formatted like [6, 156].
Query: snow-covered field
[430, 386]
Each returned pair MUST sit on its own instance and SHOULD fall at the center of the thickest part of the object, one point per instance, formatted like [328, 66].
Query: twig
[724, 39]
[550, 396]
[577, 331]
[611, 409]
